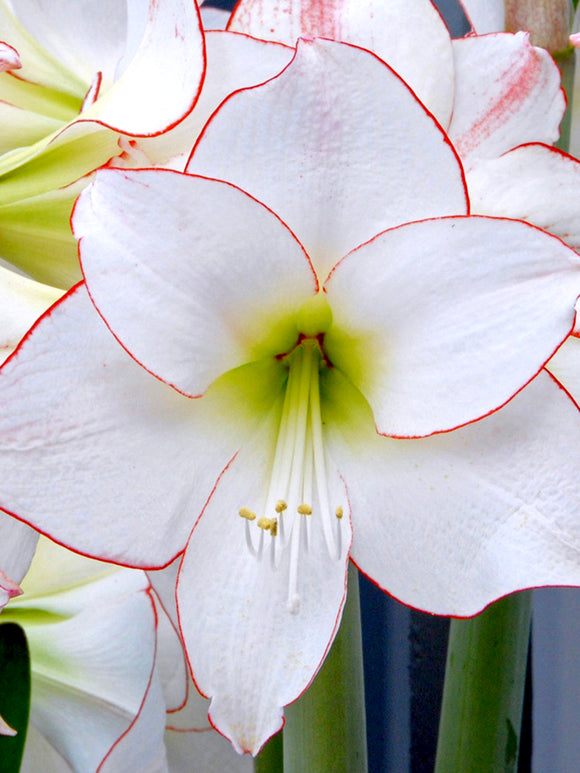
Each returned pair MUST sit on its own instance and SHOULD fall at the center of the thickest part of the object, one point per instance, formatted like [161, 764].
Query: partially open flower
[78, 83]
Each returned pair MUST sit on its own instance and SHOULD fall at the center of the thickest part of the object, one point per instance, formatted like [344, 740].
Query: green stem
[485, 677]
[325, 730]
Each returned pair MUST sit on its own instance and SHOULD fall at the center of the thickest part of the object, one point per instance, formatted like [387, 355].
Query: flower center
[298, 497]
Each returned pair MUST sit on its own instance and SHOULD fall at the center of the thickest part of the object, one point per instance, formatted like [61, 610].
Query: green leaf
[14, 694]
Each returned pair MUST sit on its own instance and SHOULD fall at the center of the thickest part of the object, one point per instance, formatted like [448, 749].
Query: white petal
[485, 15]
[106, 443]
[63, 43]
[507, 92]
[450, 523]
[534, 183]
[9, 58]
[247, 650]
[340, 169]
[90, 671]
[22, 301]
[233, 62]
[565, 365]
[17, 545]
[8, 590]
[169, 40]
[142, 746]
[170, 658]
[198, 279]
[440, 322]
[39, 754]
[39, 64]
[133, 45]
[190, 713]
[409, 35]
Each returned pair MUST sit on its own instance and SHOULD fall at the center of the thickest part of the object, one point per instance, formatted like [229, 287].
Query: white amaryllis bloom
[298, 381]
[91, 631]
[108, 675]
[87, 79]
[99, 61]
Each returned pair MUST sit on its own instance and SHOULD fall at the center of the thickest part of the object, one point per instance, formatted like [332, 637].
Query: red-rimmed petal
[193, 276]
[162, 37]
[536, 183]
[17, 546]
[409, 35]
[485, 15]
[338, 165]
[441, 322]
[22, 301]
[273, 653]
[234, 61]
[450, 523]
[142, 746]
[110, 446]
[565, 365]
[507, 92]
[90, 672]
[9, 58]
[131, 44]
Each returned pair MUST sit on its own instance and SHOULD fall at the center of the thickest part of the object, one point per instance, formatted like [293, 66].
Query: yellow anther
[304, 509]
[245, 512]
[339, 512]
[281, 506]
[274, 527]
[265, 523]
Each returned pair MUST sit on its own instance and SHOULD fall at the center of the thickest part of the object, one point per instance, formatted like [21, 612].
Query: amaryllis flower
[81, 83]
[106, 63]
[91, 632]
[39, 184]
[106, 665]
[271, 369]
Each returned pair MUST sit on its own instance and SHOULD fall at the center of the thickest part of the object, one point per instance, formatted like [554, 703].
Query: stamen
[248, 514]
[298, 497]
[249, 541]
[320, 467]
